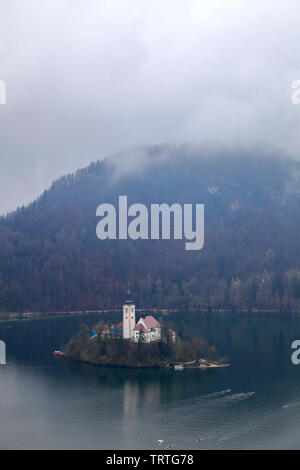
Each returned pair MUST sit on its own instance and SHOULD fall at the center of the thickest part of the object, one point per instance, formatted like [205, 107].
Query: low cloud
[85, 79]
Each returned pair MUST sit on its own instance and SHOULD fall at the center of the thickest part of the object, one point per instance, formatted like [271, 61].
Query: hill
[51, 259]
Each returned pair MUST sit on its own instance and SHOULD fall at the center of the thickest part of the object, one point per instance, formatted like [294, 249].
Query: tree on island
[142, 337]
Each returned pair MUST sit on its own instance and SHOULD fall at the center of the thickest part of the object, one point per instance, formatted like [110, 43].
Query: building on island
[147, 326]
[128, 316]
[147, 329]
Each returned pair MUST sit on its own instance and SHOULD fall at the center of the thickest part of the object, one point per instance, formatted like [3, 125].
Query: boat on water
[58, 354]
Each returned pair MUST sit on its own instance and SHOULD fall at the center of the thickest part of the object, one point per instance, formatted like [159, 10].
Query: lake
[49, 403]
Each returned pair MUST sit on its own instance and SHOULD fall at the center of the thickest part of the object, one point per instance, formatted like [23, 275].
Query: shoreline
[26, 316]
[204, 366]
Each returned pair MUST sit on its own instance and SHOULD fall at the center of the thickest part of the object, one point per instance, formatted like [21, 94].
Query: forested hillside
[51, 259]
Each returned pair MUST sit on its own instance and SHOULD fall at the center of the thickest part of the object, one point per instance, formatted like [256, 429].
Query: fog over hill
[90, 77]
[51, 259]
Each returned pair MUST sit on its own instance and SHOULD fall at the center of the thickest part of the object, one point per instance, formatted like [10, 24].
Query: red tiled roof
[151, 322]
[140, 326]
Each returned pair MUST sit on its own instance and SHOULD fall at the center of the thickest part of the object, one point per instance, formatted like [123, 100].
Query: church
[148, 326]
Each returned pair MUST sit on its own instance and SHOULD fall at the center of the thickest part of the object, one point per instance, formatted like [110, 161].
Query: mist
[87, 79]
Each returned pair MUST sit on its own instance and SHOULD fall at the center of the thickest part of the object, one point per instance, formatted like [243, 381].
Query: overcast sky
[87, 78]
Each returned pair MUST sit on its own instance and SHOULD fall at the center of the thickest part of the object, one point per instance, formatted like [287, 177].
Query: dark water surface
[50, 403]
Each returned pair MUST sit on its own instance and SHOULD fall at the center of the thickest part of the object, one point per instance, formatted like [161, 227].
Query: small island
[147, 343]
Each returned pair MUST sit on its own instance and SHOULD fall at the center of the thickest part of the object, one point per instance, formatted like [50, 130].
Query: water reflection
[52, 403]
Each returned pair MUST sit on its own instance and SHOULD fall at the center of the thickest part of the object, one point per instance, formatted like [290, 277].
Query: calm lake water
[48, 403]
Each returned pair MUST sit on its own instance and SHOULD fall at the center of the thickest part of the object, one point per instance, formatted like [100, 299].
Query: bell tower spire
[128, 315]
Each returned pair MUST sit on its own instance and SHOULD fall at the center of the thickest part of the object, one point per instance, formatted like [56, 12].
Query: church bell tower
[128, 316]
